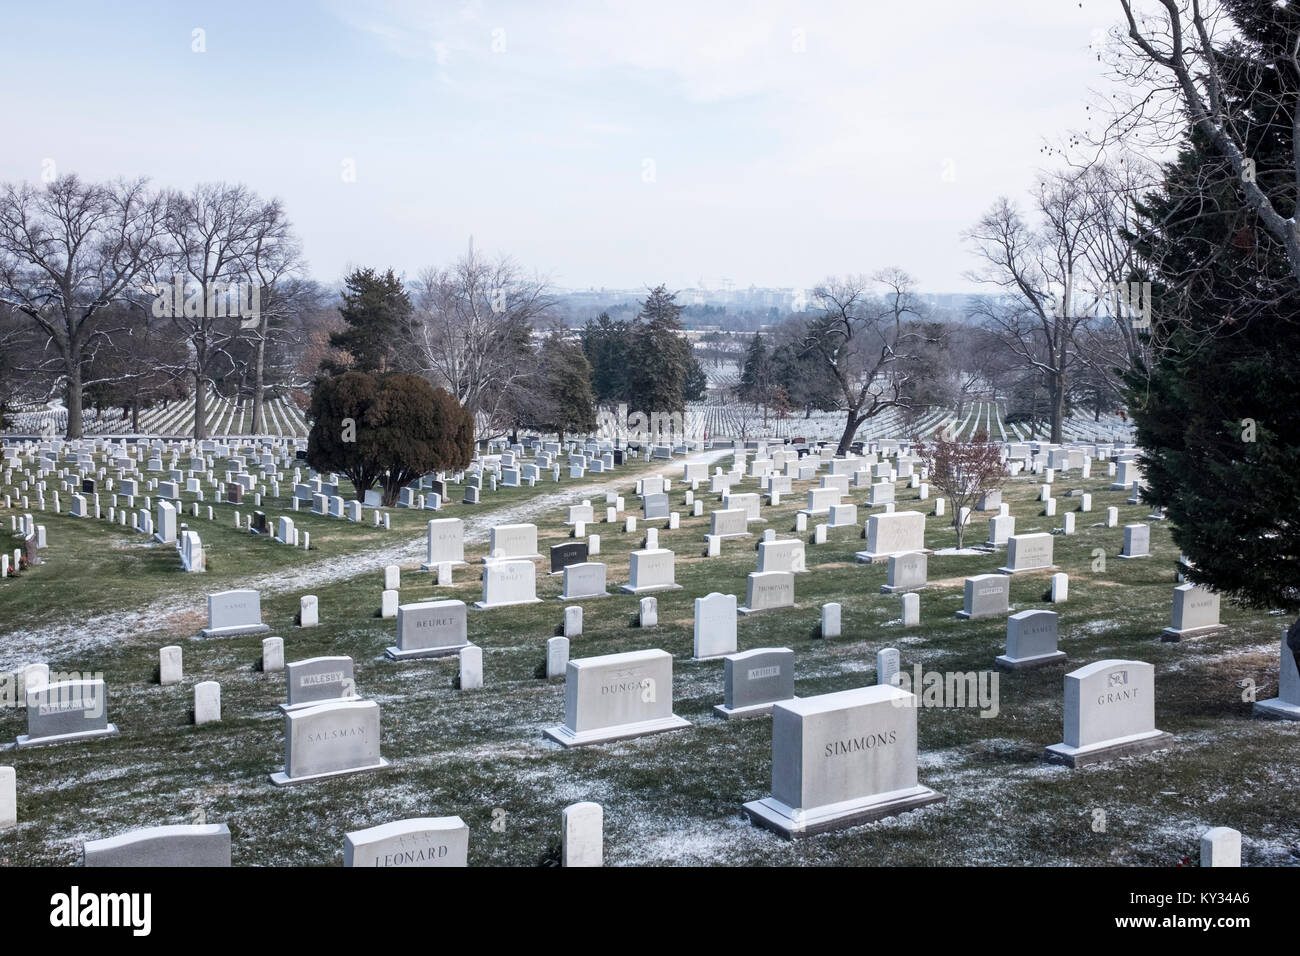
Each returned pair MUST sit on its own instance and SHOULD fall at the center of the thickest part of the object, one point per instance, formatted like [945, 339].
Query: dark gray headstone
[563, 555]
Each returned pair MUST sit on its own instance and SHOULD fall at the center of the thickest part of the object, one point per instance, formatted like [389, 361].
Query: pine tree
[378, 312]
[662, 357]
[563, 402]
[1218, 411]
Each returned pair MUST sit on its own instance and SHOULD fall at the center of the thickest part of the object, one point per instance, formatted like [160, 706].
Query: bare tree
[276, 260]
[1178, 61]
[67, 251]
[1047, 274]
[859, 340]
[216, 234]
[473, 328]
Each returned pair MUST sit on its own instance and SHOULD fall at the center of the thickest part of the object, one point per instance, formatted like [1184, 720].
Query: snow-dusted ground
[20, 647]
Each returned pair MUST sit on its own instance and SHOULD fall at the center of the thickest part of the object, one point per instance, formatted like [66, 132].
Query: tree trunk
[135, 413]
[850, 430]
[259, 373]
[200, 407]
[74, 399]
[1058, 411]
[956, 521]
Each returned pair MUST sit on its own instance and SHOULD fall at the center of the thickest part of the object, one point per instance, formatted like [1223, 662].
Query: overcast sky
[604, 144]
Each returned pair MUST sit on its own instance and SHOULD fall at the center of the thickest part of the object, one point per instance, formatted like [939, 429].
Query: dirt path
[21, 647]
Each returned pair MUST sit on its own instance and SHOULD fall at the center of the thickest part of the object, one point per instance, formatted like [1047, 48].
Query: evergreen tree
[696, 386]
[756, 373]
[662, 356]
[562, 401]
[378, 313]
[607, 346]
[1218, 410]
[389, 429]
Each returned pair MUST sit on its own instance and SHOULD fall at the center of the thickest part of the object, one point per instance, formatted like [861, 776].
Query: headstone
[511, 542]
[570, 552]
[66, 711]
[392, 577]
[446, 543]
[1195, 613]
[755, 680]
[169, 666]
[234, 612]
[617, 696]
[649, 612]
[207, 703]
[471, 667]
[1109, 713]
[986, 595]
[317, 680]
[728, 523]
[1031, 641]
[328, 740]
[178, 845]
[388, 604]
[557, 657]
[272, 655]
[830, 620]
[508, 582]
[1221, 846]
[911, 609]
[429, 629]
[906, 572]
[573, 621]
[842, 759]
[166, 532]
[896, 533]
[651, 571]
[308, 611]
[1286, 704]
[768, 590]
[1137, 541]
[715, 625]
[8, 798]
[582, 835]
[1001, 527]
[1028, 552]
[655, 507]
[888, 663]
[421, 841]
[1060, 587]
[783, 555]
[584, 580]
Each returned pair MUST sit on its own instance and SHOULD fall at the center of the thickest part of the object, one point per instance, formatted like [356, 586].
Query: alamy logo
[74, 909]
[218, 299]
[640, 426]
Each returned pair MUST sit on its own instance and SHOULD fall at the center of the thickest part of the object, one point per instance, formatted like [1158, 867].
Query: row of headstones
[848, 757]
[416, 842]
[33, 536]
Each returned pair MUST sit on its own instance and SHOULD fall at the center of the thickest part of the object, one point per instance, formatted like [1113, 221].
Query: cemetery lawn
[106, 600]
